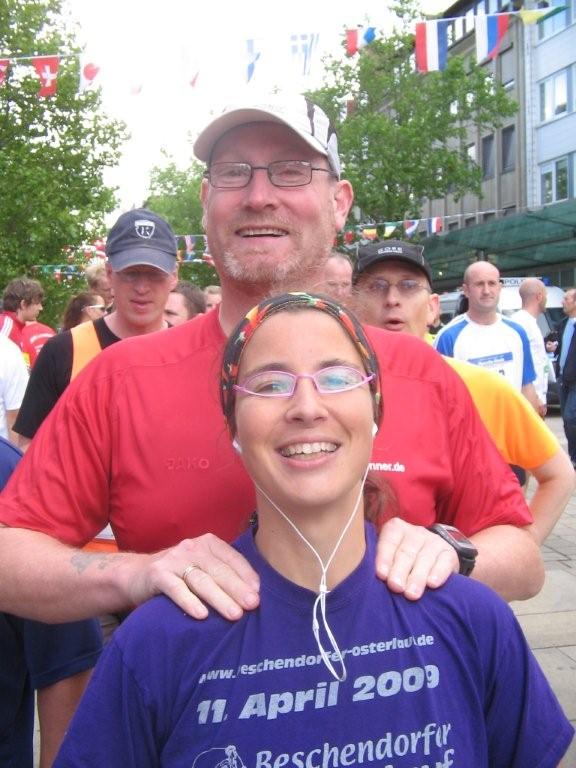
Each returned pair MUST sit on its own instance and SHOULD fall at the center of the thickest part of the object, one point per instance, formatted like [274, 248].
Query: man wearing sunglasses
[146, 420]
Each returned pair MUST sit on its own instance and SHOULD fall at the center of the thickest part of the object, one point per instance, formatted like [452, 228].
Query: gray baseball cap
[299, 114]
[141, 237]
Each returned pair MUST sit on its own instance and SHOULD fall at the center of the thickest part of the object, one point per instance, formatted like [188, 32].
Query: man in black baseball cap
[141, 238]
[393, 285]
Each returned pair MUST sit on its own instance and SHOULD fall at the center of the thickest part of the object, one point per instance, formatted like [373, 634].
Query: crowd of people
[242, 497]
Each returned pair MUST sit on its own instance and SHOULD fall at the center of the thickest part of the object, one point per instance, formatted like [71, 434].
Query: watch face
[458, 536]
[459, 541]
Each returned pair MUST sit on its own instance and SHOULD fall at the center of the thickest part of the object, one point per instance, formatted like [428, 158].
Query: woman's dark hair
[74, 312]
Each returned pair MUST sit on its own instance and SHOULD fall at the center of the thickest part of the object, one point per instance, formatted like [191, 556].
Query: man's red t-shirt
[138, 439]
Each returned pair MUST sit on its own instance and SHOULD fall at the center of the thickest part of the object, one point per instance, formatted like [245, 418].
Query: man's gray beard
[273, 279]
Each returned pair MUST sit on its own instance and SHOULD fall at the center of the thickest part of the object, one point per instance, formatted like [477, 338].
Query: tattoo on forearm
[81, 561]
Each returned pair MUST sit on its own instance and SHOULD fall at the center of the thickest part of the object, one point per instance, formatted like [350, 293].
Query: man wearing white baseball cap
[162, 470]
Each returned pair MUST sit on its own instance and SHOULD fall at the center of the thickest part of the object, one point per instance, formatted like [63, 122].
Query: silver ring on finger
[187, 571]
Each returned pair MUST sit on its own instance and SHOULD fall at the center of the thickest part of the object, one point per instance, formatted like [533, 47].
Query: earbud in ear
[374, 429]
[236, 445]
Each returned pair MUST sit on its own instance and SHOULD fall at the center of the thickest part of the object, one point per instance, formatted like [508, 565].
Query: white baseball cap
[299, 114]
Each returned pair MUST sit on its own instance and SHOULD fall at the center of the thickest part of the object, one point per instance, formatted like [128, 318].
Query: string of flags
[190, 248]
[431, 37]
[194, 248]
[407, 228]
[431, 50]
[358, 38]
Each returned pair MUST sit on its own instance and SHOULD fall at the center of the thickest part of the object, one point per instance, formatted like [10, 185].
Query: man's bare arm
[46, 580]
[556, 480]
[530, 394]
[509, 561]
[411, 558]
[23, 442]
[10, 420]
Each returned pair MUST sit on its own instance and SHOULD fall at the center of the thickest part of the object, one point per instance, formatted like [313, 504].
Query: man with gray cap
[141, 441]
[141, 266]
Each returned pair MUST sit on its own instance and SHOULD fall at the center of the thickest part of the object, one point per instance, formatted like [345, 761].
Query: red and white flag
[47, 70]
[4, 64]
[434, 225]
[88, 74]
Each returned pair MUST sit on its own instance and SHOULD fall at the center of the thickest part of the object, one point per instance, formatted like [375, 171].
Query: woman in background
[81, 308]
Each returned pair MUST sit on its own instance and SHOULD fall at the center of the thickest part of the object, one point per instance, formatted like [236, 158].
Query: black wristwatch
[465, 550]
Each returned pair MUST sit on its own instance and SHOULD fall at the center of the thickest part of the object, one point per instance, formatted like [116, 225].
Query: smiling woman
[331, 662]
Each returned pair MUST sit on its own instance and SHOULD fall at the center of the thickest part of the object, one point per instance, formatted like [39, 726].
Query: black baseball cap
[140, 237]
[390, 250]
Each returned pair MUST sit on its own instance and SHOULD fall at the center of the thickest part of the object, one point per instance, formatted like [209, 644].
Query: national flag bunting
[253, 57]
[4, 64]
[370, 233]
[302, 47]
[411, 227]
[47, 70]
[533, 15]
[490, 29]
[358, 38]
[434, 225]
[431, 45]
[88, 74]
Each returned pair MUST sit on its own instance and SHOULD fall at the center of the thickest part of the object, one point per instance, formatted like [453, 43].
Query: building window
[458, 28]
[554, 181]
[508, 148]
[488, 157]
[509, 210]
[470, 221]
[555, 23]
[469, 20]
[554, 96]
[508, 68]
[471, 152]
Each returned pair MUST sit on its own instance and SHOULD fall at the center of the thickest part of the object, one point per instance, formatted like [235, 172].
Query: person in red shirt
[138, 439]
[21, 303]
[34, 336]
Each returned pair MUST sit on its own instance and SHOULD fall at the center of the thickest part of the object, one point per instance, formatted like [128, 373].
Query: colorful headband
[257, 315]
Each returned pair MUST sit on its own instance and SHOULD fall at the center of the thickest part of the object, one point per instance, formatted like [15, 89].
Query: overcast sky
[161, 46]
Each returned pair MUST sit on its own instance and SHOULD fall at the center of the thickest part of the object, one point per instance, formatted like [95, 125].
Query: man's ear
[433, 305]
[343, 199]
[203, 199]
[173, 278]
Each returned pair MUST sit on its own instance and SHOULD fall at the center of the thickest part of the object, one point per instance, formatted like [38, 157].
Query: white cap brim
[293, 116]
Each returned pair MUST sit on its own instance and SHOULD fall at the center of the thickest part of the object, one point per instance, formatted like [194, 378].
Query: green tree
[175, 195]
[53, 150]
[402, 134]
